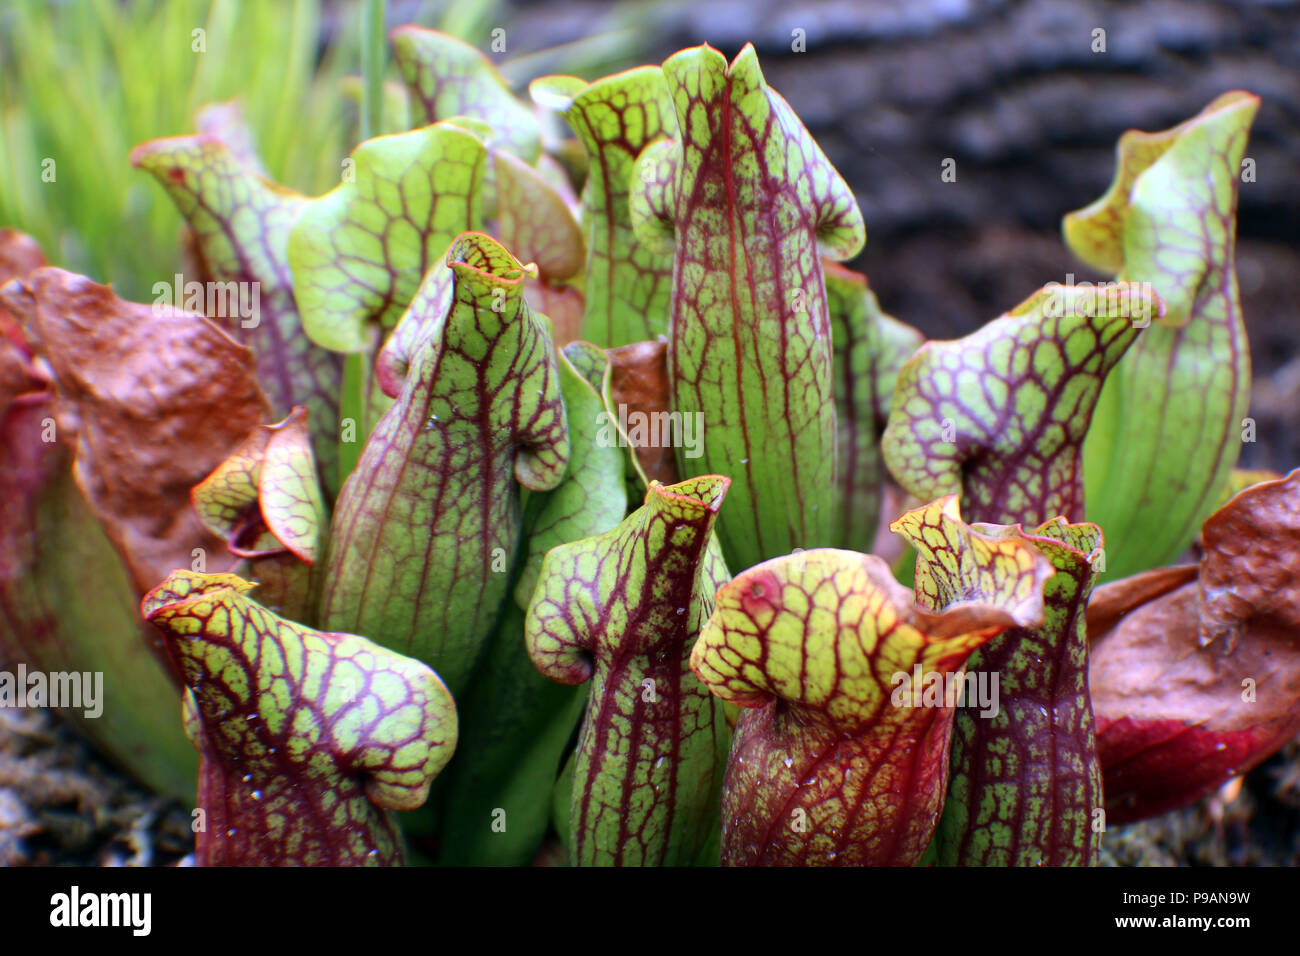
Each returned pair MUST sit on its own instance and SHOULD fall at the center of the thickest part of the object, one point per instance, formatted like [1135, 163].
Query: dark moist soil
[61, 805]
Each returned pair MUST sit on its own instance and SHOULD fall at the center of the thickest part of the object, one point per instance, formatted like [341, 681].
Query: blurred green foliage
[83, 81]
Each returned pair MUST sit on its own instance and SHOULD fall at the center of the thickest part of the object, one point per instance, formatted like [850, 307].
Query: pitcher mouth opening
[480, 253]
[706, 490]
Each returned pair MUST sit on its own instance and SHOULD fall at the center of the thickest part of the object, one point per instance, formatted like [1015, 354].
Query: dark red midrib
[908, 762]
[347, 541]
[817, 309]
[998, 655]
[734, 218]
[847, 451]
[879, 745]
[607, 214]
[614, 675]
[279, 357]
[285, 364]
[412, 424]
[496, 463]
[597, 727]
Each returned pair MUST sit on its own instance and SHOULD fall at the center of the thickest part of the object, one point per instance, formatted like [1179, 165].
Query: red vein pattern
[240, 222]
[451, 78]
[622, 610]
[628, 282]
[426, 528]
[1025, 783]
[829, 767]
[517, 724]
[265, 500]
[1000, 415]
[307, 740]
[754, 205]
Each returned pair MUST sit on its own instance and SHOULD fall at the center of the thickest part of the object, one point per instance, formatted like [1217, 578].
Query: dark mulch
[61, 805]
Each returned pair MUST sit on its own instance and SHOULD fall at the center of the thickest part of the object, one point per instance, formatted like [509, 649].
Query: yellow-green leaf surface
[359, 252]
[838, 760]
[265, 500]
[1025, 783]
[536, 223]
[749, 205]
[516, 724]
[307, 740]
[622, 610]
[999, 416]
[1168, 427]
[266, 487]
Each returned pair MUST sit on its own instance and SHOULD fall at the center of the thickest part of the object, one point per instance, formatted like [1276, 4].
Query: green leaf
[870, 348]
[753, 204]
[628, 283]
[828, 766]
[1167, 430]
[591, 499]
[535, 222]
[395, 107]
[622, 609]
[426, 528]
[359, 252]
[240, 224]
[999, 416]
[1025, 781]
[448, 77]
[307, 740]
[516, 724]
